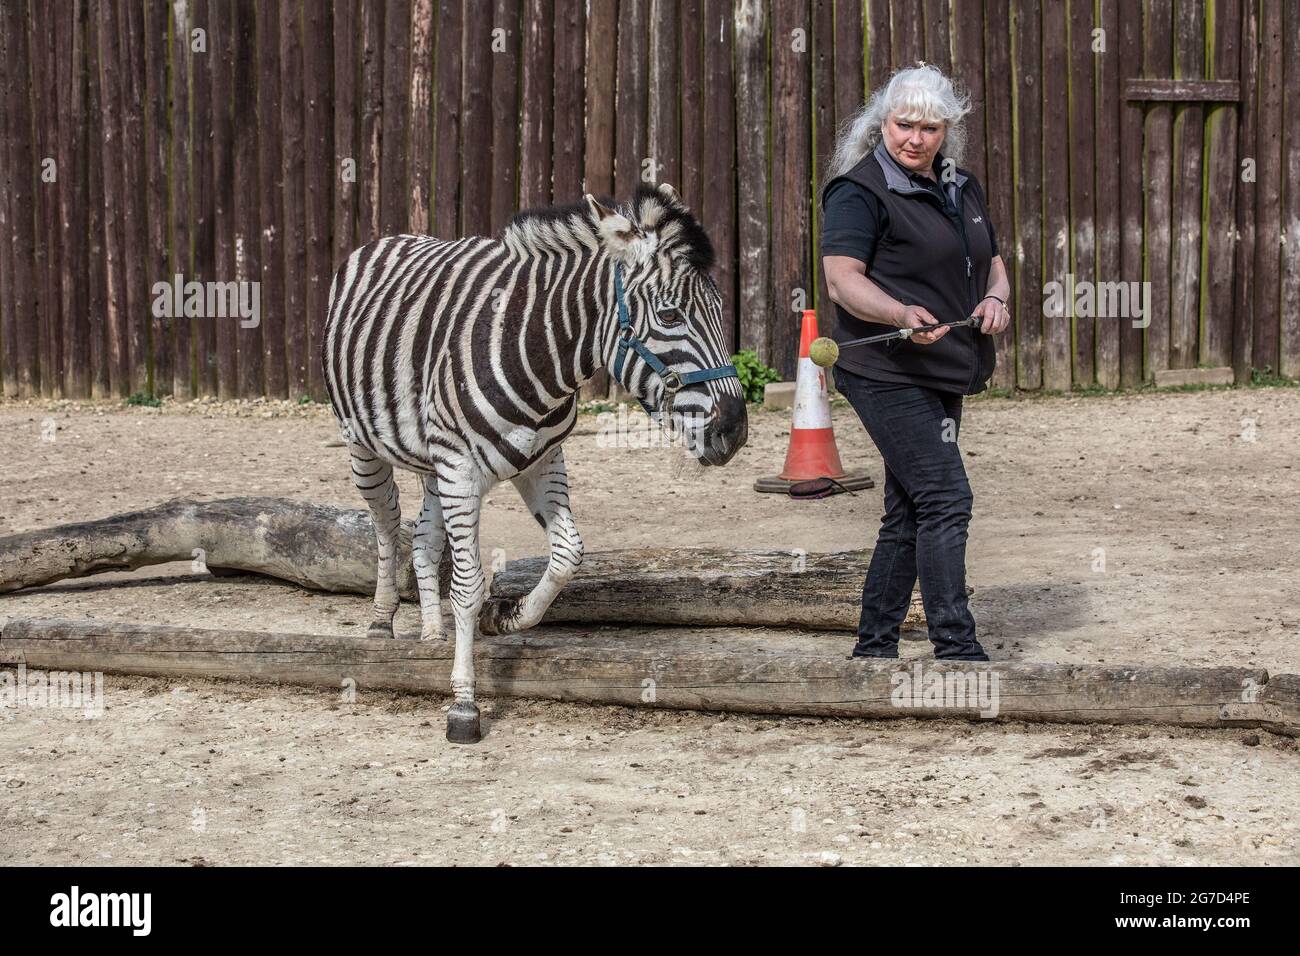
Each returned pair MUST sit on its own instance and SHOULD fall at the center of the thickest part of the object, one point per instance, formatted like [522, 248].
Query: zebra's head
[669, 350]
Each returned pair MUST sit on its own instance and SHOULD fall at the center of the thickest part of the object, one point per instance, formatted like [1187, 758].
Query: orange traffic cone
[812, 452]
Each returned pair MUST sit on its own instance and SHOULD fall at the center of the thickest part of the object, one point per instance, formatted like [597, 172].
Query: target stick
[826, 352]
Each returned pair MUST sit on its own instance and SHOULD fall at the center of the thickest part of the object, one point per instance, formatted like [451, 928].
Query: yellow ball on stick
[824, 352]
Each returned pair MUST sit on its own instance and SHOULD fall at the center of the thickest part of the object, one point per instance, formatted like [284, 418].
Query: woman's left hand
[993, 315]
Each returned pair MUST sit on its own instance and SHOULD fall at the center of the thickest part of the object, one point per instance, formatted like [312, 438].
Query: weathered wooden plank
[270, 173]
[968, 38]
[181, 192]
[1107, 156]
[938, 45]
[1289, 359]
[1268, 193]
[394, 196]
[294, 192]
[662, 132]
[752, 130]
[906, 33]
[791, 161]
[631, 101]
[247, 220]
[1189, 127]
[536, 104]
[205, 236]
[1243, 317]
[1026, 63]
[158, 151]
[850, 79]
[999, 186]
[878, 44]
[1132, 351]
[712, 669]
[1158, 174]
[74, 153]
[318, 135]
[347, 73]
[8, 321]
[717, 206]
[1082, 172]
[823, 144]
[504, 162]
[568, 147]
[370, 160]
[110, 155]
[1221, 188]
[135, 226]
[447, 118]
[44, 92]
[24, 211]
[97, 271]
[692, 85]
[476, 129]
[420, 160]
[1057, 372]
[221, 60]
[598, 156]
[1181, 89]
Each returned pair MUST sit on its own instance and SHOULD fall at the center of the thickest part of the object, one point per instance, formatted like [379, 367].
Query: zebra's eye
[671, 316]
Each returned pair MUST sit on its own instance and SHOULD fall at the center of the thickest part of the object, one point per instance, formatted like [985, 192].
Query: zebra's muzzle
[727, 432]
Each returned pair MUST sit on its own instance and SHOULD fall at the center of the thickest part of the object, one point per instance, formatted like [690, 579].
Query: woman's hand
[993, 315]
[916, 317]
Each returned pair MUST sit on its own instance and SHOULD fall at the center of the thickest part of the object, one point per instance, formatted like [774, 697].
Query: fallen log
[333, 549]
[313, 545]
[715, 669]
[707, 586]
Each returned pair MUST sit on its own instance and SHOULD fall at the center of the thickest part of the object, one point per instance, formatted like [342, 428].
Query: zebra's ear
[623, 237]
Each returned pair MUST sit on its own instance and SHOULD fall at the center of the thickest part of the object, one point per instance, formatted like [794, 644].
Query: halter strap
[672, 379]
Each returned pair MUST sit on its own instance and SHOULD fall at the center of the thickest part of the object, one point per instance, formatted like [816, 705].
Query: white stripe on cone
[812, 404]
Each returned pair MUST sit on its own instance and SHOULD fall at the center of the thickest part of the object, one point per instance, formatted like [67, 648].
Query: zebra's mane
[570, 227]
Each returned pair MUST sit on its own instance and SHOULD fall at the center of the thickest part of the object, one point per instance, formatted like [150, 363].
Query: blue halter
[672, 379]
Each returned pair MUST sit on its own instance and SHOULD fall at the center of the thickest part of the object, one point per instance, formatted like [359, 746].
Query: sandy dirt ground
[1156, 528]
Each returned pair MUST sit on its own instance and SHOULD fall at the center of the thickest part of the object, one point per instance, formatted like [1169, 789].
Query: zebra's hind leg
[461, 497]
[426, 554]
[374, 479]
[545, 490]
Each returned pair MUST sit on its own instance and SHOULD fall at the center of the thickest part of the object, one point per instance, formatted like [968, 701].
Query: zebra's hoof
[462, 724]
[495, 615]
[380, 629]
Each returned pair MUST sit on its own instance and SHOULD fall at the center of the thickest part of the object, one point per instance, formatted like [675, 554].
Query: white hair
[918, 94]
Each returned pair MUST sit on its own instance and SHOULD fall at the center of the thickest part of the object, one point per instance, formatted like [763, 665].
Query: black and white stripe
[461, 360]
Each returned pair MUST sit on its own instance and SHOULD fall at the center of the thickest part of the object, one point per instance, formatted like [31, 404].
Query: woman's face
[914, 143]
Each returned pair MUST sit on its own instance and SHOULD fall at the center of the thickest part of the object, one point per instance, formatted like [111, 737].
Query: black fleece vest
[924, 258]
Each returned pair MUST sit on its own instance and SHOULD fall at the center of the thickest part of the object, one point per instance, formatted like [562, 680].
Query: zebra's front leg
[545, 490]
[461, 499]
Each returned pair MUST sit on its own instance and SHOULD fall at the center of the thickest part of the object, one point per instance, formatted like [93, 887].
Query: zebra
[462, 361]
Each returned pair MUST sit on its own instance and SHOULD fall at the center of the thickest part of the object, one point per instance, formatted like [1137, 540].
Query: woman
[906, 243]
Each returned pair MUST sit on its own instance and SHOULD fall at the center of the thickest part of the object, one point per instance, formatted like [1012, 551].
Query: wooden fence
[261, 140]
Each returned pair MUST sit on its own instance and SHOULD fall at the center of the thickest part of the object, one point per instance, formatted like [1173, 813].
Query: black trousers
[927, 511]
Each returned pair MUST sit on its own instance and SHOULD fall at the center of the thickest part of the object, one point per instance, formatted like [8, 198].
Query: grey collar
[898, 180]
